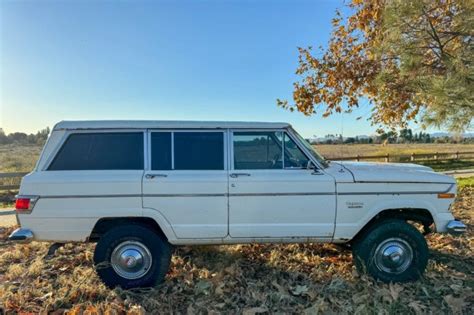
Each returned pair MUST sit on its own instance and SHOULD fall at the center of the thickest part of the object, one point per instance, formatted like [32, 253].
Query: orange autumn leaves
[405, 57]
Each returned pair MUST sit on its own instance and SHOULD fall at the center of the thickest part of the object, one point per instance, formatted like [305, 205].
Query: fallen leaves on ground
[247, 279]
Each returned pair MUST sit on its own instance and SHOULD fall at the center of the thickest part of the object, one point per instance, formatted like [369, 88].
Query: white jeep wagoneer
[139, 187]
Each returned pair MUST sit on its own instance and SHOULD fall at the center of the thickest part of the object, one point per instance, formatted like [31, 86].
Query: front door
[273, 193]
[187, 181]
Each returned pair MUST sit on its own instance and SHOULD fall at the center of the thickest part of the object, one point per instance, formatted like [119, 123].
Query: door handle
[151, 176]
[235, 175]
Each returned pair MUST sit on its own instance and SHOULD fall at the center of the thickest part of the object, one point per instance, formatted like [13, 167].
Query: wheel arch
[419, 215]
[105, 224]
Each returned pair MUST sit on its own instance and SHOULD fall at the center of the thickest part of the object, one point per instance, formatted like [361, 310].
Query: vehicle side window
[161, 151]
[187, 150]
[198, 151]
[100, 151]
[266, 150]
[294, 157]
[258, 150]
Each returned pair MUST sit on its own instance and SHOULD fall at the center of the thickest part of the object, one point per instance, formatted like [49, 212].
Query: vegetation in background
[343, 150]
[18, 157]
[407, 57]
[22, 158]
[466, 182]
[405, 135]
[22, 138]
[448, 165]
[15, 158]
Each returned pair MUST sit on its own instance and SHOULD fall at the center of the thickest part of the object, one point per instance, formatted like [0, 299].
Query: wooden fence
[11, 181]
[413, 157]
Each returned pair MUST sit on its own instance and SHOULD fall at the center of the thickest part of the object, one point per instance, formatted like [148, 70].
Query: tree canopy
[411, 59]
[22, 138]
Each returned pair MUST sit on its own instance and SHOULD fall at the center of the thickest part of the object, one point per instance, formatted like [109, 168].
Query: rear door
[272, 193]
[187, 181]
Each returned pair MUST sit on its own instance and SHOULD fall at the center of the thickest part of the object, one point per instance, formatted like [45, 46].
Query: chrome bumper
[21, 235]
[456, 227]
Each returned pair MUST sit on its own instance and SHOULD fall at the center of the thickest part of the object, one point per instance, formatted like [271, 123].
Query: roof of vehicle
[165, 124]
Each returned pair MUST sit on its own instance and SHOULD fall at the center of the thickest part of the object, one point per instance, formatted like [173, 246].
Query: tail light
[25, 204]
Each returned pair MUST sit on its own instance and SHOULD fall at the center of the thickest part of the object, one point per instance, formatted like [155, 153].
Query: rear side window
[187, 150]
[161, 151]
[198, 151]
[100, 151]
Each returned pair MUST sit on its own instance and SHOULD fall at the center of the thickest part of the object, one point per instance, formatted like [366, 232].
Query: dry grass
[392, 149]
[15, 158]
[18, 158]
[22, 158]
[246, 279]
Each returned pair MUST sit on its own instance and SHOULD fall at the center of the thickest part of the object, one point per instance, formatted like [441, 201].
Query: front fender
[355, 212]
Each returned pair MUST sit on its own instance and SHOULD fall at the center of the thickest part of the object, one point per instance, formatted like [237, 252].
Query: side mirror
[315, 170]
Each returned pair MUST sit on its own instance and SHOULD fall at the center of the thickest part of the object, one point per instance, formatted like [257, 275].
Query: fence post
[457, 155]
[387, 158]
[412, 157]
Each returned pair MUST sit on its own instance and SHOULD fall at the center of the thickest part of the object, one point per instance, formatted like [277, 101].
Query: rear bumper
[21, 235]
[456, 227]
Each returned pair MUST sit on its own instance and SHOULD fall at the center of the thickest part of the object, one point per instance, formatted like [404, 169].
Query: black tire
[343, 246]
[400, 239]
[157, 247]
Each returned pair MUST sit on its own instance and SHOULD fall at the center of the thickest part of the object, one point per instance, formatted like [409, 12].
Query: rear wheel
[393, 250]
[132, 256]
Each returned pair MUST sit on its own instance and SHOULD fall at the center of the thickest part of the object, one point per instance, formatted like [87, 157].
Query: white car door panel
[187, 182]
[286, 203]
[279, 202]
[194, 202]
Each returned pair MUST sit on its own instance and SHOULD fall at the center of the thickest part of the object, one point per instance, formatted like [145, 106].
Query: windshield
[311, 149]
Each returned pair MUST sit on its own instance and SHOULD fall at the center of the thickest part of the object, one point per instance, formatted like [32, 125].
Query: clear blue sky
[198, 60]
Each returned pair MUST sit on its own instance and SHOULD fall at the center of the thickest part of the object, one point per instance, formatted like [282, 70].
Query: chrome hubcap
[131, 260]
[393, 255]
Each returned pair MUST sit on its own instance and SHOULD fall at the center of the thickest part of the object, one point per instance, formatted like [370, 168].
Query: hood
[394, 172]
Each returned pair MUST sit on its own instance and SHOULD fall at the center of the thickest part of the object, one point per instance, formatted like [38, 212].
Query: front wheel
[132, 256]
[392, 251]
